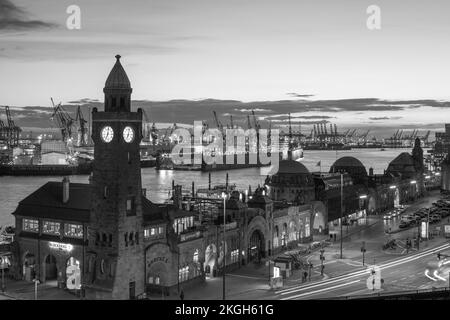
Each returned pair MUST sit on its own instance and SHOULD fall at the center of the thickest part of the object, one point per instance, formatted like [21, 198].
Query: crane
[218, 123]
[231, 121]
[12, 131]
[63, 120]
[82, 132]
[257, 126]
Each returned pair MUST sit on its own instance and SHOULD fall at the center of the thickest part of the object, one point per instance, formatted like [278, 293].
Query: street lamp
[224, 196]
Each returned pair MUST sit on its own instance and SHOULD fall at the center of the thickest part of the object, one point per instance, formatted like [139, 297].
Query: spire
[117, 78]
[117, 89]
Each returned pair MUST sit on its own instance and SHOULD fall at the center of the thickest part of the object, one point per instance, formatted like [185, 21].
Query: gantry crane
[63, 120]
[11, 130]
[82, 130]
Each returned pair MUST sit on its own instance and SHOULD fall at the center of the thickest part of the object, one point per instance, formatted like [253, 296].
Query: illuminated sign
[424, 229]
[276, 272]
[61, 246]
[163, 259]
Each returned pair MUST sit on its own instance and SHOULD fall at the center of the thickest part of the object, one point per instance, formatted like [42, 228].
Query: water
[158, 183]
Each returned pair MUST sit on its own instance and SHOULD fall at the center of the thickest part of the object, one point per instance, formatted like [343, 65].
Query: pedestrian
[305, 276]
[182, 294]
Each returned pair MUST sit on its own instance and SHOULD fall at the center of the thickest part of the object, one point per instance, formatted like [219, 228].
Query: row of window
[153, 232]
[54, 228]
[181, 224]
[235, 256]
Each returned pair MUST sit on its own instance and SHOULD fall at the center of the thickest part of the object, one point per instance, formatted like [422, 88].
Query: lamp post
[224, 196]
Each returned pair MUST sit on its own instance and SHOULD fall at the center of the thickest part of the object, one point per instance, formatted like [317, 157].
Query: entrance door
[132, 290]
[256, 246]
[51, 272]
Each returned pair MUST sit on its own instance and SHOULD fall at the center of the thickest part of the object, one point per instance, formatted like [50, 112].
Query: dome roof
[348, 162]
[291, 167]
[117, 78]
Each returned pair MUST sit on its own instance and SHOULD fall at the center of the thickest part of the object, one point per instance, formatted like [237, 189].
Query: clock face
[128, 134]
[107, 134]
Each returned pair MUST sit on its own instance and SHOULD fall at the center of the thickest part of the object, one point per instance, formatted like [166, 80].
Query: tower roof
[118, 78]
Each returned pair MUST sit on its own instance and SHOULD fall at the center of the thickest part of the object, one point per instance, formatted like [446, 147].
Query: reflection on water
[158, 183]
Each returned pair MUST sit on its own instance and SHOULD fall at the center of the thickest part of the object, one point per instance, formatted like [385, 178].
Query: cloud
[298, 95]
[385, 118]
[14, 18]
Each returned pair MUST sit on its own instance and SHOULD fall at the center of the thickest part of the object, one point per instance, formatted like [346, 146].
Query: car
[387, 216]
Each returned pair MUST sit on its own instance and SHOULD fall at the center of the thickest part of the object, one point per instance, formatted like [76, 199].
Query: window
[51, 227]
[160, 230]
[153, 231]
[30, 225]
[146, 233]
[73, 230]
[131, 211]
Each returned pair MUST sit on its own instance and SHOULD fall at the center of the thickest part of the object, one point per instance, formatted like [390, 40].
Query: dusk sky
[247, 50]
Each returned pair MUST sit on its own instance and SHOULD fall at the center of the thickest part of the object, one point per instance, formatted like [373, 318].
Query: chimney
[370, 171]
[65, 189]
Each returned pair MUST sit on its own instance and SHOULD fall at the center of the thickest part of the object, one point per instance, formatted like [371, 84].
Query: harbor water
[158, 183]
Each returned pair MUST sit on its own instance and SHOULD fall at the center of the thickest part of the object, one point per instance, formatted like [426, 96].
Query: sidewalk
[24, 290]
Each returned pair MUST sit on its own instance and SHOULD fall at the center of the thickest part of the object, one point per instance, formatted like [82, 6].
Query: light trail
[356, 274]
[438, 276]
[428, 276]
[321, 290]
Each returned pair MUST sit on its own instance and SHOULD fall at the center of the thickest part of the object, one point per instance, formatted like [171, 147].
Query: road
[402, 273]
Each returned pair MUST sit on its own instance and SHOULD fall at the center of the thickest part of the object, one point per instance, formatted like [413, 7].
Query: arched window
[126, 239]
[136, 237]
[104, 239]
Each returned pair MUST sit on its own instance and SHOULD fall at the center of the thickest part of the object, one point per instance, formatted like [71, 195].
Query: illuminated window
[183, 274]
[146, 233]
[31, 225]
[51, 227]
[160, 230]
[152, 231]
[73, 230]
[235, 256]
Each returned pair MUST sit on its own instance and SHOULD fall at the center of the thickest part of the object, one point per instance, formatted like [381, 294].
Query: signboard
[61, 246]
[424, 229]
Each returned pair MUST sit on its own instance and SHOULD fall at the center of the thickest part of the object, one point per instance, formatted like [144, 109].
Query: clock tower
[114, 267]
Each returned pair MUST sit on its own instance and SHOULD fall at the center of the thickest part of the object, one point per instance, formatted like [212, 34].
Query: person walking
[182, 294]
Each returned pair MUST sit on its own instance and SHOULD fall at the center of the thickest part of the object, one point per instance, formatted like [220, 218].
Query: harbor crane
[218, 123]
[82, 130]
[11, 131]
[257, 126]
[63, 120]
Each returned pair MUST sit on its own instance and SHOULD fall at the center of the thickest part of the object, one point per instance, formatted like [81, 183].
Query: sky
[240, 50]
